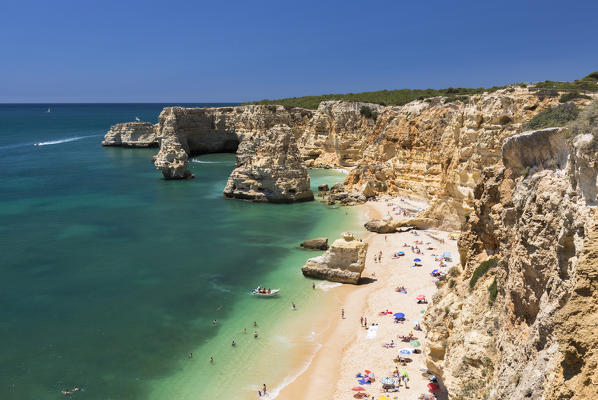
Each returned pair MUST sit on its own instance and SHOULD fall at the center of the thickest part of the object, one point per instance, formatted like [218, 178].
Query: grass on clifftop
[383, 97]
[555, 116]
[481, 270]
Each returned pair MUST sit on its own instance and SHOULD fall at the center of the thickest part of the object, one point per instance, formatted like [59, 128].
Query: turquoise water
[111, 276]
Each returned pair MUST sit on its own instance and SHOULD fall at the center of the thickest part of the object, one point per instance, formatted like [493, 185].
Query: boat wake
[206, 162]
[65, 140]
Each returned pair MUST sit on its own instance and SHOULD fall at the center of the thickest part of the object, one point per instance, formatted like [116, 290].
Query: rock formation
[343, 262]
[433, 149]
[269, 169]
[315, 244]
[526, 328]
[384, 225]
[131, 134]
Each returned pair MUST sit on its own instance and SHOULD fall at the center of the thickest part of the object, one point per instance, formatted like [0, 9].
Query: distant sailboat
[137, 119]
[48, 109]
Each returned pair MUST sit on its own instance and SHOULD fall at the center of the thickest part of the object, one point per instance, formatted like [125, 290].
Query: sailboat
[48, 109]
[137, 119]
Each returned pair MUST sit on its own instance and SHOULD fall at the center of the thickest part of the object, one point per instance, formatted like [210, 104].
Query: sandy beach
[347, 347]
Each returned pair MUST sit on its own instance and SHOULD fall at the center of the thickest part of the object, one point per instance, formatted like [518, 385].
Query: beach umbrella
[435, 271]
[415, 343]
[367, 371]
[433, 387]
[416, 259]
[358, 388]
[383, 398]
[401, 253]
[406, 351]
[446, 254]
[371, 375]
[421, 297]
[415, 322]
[387, 381]
[404, 373]
[399, 315]
[422, 312]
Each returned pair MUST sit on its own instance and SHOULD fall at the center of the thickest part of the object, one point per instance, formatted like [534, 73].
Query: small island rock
[315, 244]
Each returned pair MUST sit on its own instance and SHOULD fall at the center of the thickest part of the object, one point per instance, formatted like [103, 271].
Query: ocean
[110, 276]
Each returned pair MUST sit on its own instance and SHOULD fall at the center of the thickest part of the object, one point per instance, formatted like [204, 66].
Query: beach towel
[372, 331]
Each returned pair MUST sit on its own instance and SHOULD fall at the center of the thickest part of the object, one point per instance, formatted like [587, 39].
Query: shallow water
[111, 276]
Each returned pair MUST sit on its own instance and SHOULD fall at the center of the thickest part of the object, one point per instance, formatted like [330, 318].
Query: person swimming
[234, 344]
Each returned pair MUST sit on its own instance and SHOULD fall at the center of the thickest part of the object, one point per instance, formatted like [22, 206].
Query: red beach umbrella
[421, 297]
[367, 371]
[358, 389]
[433, 387]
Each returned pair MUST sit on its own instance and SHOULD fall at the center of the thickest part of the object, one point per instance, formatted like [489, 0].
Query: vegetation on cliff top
[586, 122]
[383, 97]
[555, 116]
[403, 96]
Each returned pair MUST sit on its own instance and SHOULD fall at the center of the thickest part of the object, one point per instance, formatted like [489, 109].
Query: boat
[137, 119]
[266, 293]
[49, 109]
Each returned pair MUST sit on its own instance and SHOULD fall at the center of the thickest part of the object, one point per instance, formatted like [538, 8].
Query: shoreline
[345, 350]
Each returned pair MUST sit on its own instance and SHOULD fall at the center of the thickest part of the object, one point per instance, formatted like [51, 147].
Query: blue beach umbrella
[416, 260]
[434, 271]
[446, 254]
[399, 315]
[406, 351]
[401, 253]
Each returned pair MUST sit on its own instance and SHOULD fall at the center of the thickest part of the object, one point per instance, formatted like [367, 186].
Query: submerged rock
[343, 262]
[270, 169]
[323, 188]
[315, 244]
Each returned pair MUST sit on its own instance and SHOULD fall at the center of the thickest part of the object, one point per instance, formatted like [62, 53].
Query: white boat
[268, 293]
[49, 109]
[137, 119]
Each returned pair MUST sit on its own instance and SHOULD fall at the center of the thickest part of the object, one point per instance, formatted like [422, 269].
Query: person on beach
[264, 389]
[294, 307]
[342, 313]
[313, 285]
[259, 393]
[361, 321]
[365, 322]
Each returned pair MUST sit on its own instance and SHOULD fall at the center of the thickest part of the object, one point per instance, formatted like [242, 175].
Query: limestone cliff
[131, 134]
[343, 262]
[521, 325]
[432, 149]
[269, 169]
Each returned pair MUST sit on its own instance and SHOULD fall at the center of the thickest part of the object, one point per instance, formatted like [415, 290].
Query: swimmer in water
[211, 359]
[234, 344]
[294, 307]
[255, 334]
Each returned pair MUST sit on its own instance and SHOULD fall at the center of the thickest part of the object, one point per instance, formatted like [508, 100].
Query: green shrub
[368, 113]
[493, 292]
[587, 85]
[591, 77]
[452, 283]
[481, 270]
[586, 122]
[556, 116]
[565, 97]
[389, 97]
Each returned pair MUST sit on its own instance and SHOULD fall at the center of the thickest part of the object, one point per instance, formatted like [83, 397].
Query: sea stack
[343, 262]
[131, 134]
[269, 169]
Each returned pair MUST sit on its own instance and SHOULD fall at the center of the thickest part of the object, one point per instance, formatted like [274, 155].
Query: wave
[291, 378]
[328, 285]
[65, 140]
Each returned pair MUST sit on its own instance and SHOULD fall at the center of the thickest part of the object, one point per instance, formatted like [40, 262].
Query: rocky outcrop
[315, 244]
[432, 149]
[131, 134]
[343, 262]
[523, 328]
[385, 225]
[218, 130]
[269, 169]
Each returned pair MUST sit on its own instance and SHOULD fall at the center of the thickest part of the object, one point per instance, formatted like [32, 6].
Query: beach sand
[346, 349]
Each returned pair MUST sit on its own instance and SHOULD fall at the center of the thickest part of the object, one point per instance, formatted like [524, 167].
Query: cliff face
[520, 331]
[269, 169]
[430, 149]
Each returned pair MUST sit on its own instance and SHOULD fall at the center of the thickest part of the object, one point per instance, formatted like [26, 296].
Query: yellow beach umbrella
[383, 398]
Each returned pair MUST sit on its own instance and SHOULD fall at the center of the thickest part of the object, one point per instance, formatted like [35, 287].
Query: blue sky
[177, 51]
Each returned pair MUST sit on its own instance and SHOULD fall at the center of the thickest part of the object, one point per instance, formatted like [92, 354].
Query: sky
[234, 51]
